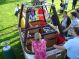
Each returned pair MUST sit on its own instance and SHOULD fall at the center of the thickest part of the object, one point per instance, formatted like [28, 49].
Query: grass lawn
[8, 25]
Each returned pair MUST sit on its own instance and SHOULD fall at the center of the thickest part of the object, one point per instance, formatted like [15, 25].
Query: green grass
[8, 25]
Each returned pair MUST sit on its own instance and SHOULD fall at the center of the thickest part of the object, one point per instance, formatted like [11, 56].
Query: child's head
[17, 5]
[78, 10]
[37, 36]
[73, 14]
[62, 1]
[76, 31]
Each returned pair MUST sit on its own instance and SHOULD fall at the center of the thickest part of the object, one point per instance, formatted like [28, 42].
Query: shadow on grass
[17, 49]
[8, 27]
[11, 42]
[8, 1]
[1, 55]
[9, 37]
[71, 10]
[77, 5]
[16, 39]
[8, 32]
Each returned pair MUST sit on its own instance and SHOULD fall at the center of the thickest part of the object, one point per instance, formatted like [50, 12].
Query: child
[39, 47]
[32, 14]
[17, 10]
[62, 6]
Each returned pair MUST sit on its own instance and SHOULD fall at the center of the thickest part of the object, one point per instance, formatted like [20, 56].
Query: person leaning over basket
[39, 46]
[65, 22]
[74, 23]
[72, 46]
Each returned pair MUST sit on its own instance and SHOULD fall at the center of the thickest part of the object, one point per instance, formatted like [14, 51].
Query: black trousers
[52, 1]
[74, 4]
[67, 57]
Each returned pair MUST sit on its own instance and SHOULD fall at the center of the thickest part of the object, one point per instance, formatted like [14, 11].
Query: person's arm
[68, 21]
[68, 25]
[30, 25]
[66, 29]
[32, 47]
[59, 47]
[66, 46]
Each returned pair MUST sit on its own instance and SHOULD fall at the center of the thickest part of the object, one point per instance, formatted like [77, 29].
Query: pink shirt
[39, 49]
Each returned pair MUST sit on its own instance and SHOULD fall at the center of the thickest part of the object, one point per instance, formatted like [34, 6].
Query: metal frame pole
[22, 6]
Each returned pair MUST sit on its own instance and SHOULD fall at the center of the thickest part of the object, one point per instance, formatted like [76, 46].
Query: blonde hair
[37, 36]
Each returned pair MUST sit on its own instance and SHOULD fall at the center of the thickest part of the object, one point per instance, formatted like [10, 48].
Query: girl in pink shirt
[39, 47]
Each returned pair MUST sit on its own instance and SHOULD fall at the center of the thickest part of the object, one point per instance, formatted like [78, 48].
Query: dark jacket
[54, 21]
[74, 2]
[68, 21]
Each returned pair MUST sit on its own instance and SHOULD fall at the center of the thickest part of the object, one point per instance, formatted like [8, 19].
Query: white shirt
[61, 8]
[72, 47]
[17, 8]
[64, 22]
[66, 1]
[74, 23]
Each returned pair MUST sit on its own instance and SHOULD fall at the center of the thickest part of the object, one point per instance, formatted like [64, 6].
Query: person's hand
[59, 47]
[54, 46]
[64, 30]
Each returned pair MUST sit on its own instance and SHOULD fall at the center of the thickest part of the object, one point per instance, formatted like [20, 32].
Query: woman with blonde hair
[39, 46]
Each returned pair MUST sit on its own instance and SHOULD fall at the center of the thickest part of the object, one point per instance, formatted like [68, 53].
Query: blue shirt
[72, 47]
